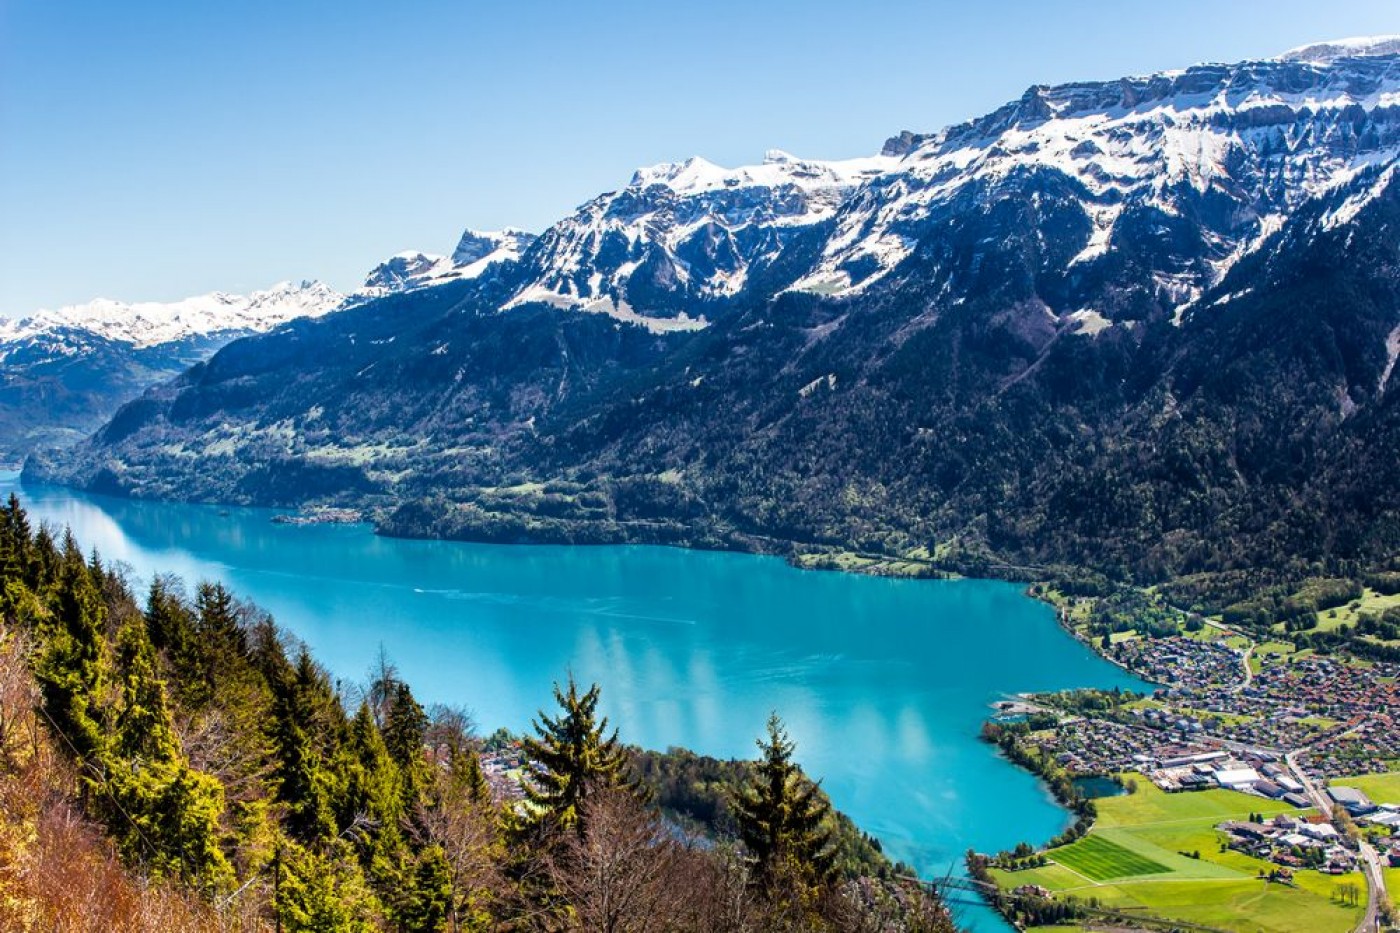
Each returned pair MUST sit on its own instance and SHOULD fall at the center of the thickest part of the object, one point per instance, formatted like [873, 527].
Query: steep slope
[1147, 325]
[682, 240]
[64, 372]
[1186, 170]
[476, 252]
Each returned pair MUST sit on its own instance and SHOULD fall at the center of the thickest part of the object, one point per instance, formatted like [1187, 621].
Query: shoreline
[796, 555]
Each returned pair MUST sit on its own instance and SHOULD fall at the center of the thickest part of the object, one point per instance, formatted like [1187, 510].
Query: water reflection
[883, 683]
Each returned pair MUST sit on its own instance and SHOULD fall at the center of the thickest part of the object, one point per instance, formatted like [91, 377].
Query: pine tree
[15, 542]
[466, 781]
[298, 774]
[428, 899]
[782, 815]
[168, 618]
[373, 788]
[69, 670]
[574, 754]
[405, 731]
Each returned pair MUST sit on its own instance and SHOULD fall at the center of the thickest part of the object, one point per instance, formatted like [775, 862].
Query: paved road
[1370, 861]
[1375, 883]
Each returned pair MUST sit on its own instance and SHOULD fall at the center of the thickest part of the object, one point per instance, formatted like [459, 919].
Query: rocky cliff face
[1147, 324]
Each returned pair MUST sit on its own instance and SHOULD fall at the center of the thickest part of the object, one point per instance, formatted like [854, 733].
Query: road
[1247, 671]
[1370, 861]
[1375, 886]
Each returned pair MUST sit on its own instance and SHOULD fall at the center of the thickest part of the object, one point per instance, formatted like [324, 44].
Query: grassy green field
[1139, 857]
[1101, 859]
[1381, 788]
[1151, 805]
[1370, 601]
[1270, 652]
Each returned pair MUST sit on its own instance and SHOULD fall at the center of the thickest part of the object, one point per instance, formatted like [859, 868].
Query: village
[1316, 841]
[1337, 717]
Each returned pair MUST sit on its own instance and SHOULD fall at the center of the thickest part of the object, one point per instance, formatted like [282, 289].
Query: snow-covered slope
[1327, 53]
[476, 252]
[1230, 150]
[149, 323]
[682, 234]
[63, 372]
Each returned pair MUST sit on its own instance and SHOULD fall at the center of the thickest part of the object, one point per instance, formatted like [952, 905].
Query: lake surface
[1096, 788]
[883, 683]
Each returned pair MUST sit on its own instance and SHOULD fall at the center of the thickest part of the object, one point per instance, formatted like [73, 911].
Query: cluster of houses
[1315, 841]
[1346, 717]
[1180, 661]
[1293, 843]
[1364, 746]
[503, 769]
[1093, 746]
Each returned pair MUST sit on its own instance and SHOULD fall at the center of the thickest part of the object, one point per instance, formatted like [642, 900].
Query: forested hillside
[180, 763]
[1149, 327]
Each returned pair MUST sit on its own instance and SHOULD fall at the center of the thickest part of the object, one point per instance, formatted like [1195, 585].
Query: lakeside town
[1340, 718]
[1242, 762]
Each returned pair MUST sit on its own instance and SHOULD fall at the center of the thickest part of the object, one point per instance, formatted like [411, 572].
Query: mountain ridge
[997, 342]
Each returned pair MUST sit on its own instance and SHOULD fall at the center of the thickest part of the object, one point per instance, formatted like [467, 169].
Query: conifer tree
[575, 754]
[373, 788]
[69, 670]
[405, 730]
[15, 543]
[163, 812]
[428, 901]
[298, 774]
[44, 560]
[465, 779]
[782, 815]
[168, 619]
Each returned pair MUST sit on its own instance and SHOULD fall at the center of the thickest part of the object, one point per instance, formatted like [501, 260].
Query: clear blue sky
[156, 150]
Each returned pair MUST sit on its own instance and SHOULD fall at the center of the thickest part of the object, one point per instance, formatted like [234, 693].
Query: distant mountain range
[1147, 325]
[63, 373]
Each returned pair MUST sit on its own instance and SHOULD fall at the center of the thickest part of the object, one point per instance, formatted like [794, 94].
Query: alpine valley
[1132, 344]
[1146, 326]
[65, 372]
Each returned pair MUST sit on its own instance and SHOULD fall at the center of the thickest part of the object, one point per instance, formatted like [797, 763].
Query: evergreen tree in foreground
[575, 756]
[782, 815]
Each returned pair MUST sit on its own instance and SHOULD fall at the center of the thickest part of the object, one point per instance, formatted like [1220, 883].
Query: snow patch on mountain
[682, 232]
[700, 176]
[476, 252]
[1392, 353]
[1325, 53]
[1263, 135]
[149, 323]
[1354, 204]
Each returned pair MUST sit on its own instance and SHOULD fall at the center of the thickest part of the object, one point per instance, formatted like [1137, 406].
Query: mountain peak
[152, 323]
[476, 251]
[695, 173]
[476, 245]
[1327, 53]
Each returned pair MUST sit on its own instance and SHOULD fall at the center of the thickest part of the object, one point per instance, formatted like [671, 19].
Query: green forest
[177, 762]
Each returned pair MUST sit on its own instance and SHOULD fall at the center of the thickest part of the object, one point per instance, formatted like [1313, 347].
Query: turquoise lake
[883, 683]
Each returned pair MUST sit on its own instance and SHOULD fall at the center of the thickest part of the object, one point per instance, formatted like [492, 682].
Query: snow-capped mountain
[1215, 157]
[1150, 325]
[476, 252]
[683, 235]
[1185, 171]
[150, 323]
[1327, 53]
[63, 371]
